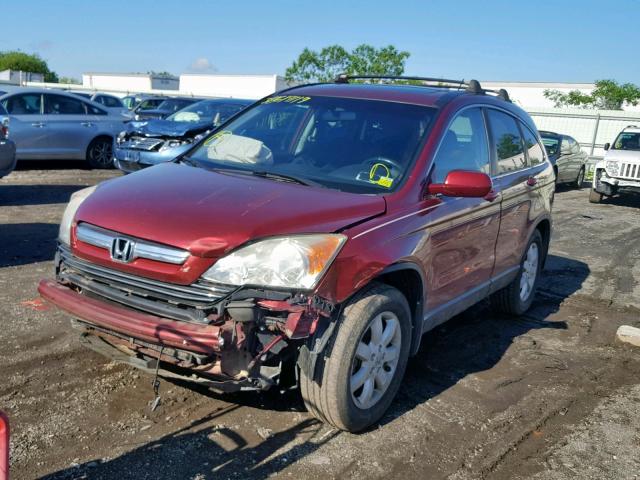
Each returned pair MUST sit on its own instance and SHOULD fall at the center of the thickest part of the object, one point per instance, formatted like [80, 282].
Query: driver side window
[464, 146]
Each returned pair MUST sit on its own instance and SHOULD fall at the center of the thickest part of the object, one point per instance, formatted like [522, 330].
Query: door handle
[532, 181]
[87, 124]
[38, 124]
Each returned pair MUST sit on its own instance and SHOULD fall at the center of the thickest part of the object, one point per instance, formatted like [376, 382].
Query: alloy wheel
[529, 272]
[102, 153]
[376, 360]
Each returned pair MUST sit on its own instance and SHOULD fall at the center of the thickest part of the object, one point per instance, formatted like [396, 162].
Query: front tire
[517, 297]
[580, 179]
[362, 369]
[100, 153]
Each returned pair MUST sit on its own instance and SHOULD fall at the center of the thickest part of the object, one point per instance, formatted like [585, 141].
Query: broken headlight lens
[64, 234]
[292, 262]
[613, 168]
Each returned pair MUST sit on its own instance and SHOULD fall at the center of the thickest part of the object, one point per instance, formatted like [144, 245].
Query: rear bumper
[191, 337]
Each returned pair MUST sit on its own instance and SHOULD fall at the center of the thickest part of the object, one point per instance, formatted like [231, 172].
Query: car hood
[210, 213]
[623, 155]
[167, 128]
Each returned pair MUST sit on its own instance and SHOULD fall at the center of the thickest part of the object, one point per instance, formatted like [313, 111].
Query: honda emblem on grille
[122, 250]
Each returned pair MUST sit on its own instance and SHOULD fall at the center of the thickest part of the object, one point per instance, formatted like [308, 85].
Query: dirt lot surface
[550, 395]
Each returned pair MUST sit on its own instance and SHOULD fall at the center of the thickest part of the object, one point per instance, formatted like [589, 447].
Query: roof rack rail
[440, 82]
[631, 126]
[472, 86]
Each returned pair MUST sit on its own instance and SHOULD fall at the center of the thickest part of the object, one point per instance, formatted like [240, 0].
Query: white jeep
[619, 170]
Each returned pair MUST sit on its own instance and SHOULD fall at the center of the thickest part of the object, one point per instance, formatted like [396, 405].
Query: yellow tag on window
[382, 180]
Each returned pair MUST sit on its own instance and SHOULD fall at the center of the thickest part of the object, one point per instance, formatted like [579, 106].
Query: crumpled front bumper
[129, 160]
[204, 339]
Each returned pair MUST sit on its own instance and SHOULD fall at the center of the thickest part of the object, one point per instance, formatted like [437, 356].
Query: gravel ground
[549, 395]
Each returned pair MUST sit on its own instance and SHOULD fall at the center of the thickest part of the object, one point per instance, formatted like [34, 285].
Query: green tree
[333, 60]
[16, 60]
[607, 95]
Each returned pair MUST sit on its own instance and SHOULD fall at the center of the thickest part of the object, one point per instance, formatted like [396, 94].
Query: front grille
[142, 143]
[179, 302]
[630, 171]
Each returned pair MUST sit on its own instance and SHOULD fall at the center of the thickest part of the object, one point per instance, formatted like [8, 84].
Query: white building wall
[17, 77]
[531, 94]
[234, 86]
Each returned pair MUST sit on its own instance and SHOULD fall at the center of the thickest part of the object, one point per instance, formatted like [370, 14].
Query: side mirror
[607, 146]
[462, 183]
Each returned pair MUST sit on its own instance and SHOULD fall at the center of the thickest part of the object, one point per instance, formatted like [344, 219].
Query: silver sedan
[50, 124]
[7, 147]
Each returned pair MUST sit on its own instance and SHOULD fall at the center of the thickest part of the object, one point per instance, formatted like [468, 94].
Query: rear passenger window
[464, 146]
[534, 150]
[25, 104]
[507, 142]
[575, 146]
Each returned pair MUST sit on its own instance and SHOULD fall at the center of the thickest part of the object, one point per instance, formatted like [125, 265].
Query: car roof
[631, 128]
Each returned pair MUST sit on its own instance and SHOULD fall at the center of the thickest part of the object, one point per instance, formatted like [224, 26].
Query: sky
[561, 41]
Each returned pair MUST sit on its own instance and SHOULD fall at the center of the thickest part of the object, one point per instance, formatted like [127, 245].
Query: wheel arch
[544, 227]
[409, 279]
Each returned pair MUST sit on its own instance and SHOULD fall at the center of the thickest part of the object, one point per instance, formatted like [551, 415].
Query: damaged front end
[145, 144]
[238, 339]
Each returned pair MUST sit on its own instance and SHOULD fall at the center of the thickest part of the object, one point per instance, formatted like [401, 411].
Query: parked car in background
[313, 238]
[150, 142]
[110, 102]
[133, 101]
[164, 109]
[7, 146]
[568, 160]
[50, 124]
[619, 171]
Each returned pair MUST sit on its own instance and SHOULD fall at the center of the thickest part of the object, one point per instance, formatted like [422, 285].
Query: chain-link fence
[591, 128]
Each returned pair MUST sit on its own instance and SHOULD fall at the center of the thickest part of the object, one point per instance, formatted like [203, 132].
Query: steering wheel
[385, 161]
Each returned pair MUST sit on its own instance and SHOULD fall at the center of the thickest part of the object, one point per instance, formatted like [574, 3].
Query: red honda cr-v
[313, 239]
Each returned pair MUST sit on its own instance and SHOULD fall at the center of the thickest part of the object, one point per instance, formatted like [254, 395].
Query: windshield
[212, 111]
[551, 144]
[627, 141]
[174, 104]
[360, 146]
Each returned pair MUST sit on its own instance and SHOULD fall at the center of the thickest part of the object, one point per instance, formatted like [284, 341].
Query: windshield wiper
[282, 177]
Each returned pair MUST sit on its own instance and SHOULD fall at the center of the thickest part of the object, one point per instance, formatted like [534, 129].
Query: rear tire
[361, 370]
[595, 197]
[517, 297]
[580, 179]
[100, 153]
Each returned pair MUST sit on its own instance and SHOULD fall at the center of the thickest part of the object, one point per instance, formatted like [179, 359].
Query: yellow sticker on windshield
[216, 136]
[382, 180]
[287, 99]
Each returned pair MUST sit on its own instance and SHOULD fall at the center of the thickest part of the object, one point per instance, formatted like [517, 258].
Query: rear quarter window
[507, 142]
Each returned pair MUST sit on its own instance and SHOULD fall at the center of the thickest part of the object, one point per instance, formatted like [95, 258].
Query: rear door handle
[532, 181]
[87, 124]
[38, 124]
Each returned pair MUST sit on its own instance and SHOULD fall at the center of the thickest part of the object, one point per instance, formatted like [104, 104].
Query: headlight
[292, 262]
[121, 137]
[64, 235]
[613, 168]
